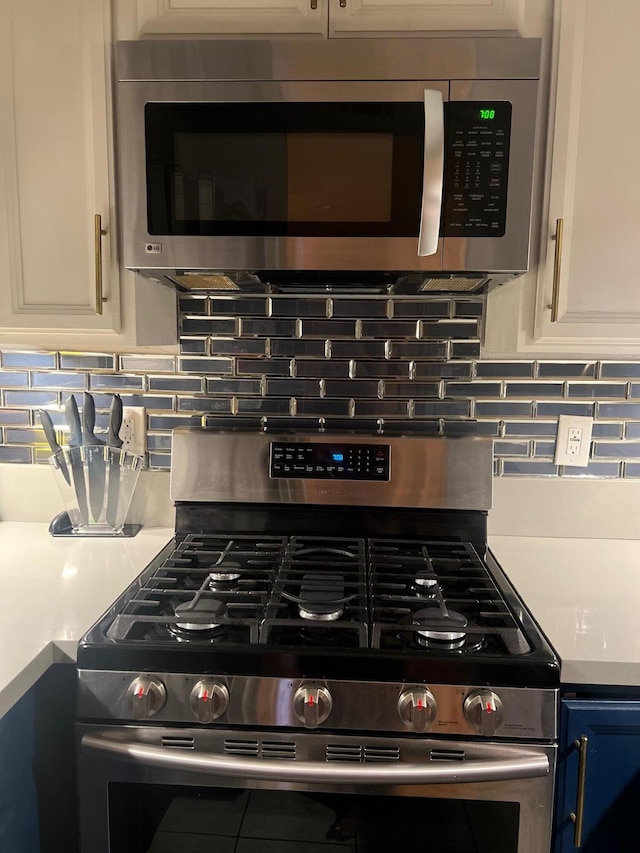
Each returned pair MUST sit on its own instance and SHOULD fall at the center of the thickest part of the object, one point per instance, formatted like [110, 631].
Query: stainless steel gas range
[327, 637]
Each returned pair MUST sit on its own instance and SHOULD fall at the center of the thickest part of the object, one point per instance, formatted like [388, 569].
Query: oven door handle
[520, 763]
[433, 175]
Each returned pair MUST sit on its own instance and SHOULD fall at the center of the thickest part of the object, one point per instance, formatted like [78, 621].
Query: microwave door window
[284, 169]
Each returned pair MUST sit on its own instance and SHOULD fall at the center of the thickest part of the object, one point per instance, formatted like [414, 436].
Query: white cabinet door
[417, 17]
[227, 17]
[54, 178]
[594, 189]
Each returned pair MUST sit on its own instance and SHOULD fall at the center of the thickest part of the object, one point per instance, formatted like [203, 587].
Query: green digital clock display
[487, 113]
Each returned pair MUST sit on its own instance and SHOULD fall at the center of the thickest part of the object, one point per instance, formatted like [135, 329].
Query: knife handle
[49, 430]
[115, 422]
[89, 418]
[73, 419]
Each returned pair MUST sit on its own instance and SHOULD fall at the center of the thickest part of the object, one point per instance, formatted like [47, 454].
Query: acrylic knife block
[97, 496]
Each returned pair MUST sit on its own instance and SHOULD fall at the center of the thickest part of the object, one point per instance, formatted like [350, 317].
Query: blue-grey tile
[529, 468]
[511, 448]
[293, 387]
[364, 426]
[264, 367]
[357, 349]
[382, 369]
[360, 308]
[382, 408]
[30, 399]
[568, 369]
[15, 454]
[28, 359]
[268, 328]
[303, 307]
[171, 421]
[104, 382]
[25, 436]
[415, 426]
[390, 329]
[243, 307]
[208, 326]
[465, 349]
[635, 389]
[327, 369]
[425, 350]
[472, 389]
[75, 361]
[537, 428]
[255, 347]
[617, 449]
[151, 402]
[161, 461]
[450, 370]
[276, 424]
[632, 429]
[231, 387]
[503, 409]
[552, 410]
[594, 469]
[203, 404]
[421, 308]
[442, 409]
[505, 369]
[544, 448]
[622, 369]
[604, 430]
[297, 348]
[468, 308]
[159, 442]
[329, 328]
[534, 390]
[232, 422]
[411, 388]
[205, 365]
[13, 379]
[351, 388]
[148, 363]
[193, 304]
[178, 384]
[596, 390]
[625, 411]
[14, 417]
[450, 329]
[196, 346]
[471, 428]
[323, 408]
[270, 406]
[632, 469]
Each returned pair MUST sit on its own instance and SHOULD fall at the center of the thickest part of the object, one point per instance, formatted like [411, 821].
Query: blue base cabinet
[598, 777]
[18, 805]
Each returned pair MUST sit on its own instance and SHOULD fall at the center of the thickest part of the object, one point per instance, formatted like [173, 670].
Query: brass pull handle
[343, 4]
[99, 232]
[557, 261]
[578, 816]
[314, 4]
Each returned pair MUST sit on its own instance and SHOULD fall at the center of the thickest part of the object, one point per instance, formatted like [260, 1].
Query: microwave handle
[433, 177]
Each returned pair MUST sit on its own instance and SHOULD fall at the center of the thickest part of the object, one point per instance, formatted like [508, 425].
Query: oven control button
[312, 705]
[208, 700]
[146, 697]
[483, 709]
[417, 708]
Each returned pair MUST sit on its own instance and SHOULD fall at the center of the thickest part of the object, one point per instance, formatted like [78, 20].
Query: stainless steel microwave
[241, 162]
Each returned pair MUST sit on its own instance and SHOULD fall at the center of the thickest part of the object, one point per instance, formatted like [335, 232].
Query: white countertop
[53, 590]
[584, 593]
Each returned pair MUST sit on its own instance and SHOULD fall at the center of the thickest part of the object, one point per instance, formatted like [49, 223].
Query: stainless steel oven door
[157, 789]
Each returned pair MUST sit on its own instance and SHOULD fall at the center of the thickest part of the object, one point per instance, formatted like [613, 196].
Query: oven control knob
[312, 704]
[146, 697]
[483, 709]
[209, 699]
[417, 708]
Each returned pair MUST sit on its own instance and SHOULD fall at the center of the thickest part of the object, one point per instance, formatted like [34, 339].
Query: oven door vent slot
[448, 755]
[176, 742]
[275, 749]
[241, 747]
[343, 752]
[382, 753]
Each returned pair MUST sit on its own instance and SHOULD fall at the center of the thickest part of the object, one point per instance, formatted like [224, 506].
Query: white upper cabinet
[325, 17]
[584, 297]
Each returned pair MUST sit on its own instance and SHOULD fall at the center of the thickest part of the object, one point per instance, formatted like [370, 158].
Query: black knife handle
[73, 420]
[89, 418]
[115, 422]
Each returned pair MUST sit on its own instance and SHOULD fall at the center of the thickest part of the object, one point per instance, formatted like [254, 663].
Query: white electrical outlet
[574, 441]
[133, 431]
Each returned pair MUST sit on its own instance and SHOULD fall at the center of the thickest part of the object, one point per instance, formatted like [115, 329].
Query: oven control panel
[330, 461]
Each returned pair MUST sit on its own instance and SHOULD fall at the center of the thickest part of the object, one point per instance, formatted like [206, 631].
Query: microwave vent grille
[452, 284]
[199, 281]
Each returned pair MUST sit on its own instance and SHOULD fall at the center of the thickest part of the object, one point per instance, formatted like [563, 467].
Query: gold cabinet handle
[557, 261]
[578, 816]
[99, 232]
[314, 4]
[343, 4]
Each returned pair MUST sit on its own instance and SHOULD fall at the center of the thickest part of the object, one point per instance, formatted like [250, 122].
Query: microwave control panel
[329, 461]
[476, 168]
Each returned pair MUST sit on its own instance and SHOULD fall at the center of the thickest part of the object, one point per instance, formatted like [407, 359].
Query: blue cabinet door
[610, 765]
[18, 806]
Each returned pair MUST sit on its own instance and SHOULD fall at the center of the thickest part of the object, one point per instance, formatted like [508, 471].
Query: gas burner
[442, 625]
[321, 597]
[224, 577]
[185, 630]
[425, 585]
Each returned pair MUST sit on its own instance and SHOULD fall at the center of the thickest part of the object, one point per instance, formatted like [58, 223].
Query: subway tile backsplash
[371, 364]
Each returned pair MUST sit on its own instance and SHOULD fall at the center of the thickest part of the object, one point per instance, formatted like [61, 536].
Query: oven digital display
[330, 461]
